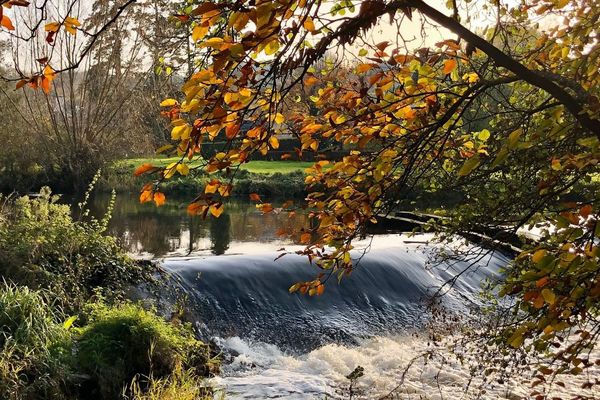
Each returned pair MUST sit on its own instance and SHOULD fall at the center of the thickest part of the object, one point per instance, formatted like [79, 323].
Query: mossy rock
[126, 342]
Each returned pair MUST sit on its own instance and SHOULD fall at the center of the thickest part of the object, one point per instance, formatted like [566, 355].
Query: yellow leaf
[52, 27]
[516, 341]
[279, 118]
[170, 170]
[199, 32]
[513, 138]
[183, 169]
[211, 187]
[538, 256]
[169, 103]
[71, 25]
[217, 210]
[215, 43]
[449, 66]
[272, 47]
[549, 296]
[181, 132]
[274, 142]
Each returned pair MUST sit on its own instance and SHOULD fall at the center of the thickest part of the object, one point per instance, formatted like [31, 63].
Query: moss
[122, 343]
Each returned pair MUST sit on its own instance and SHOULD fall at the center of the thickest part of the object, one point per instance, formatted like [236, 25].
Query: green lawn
[258, 167]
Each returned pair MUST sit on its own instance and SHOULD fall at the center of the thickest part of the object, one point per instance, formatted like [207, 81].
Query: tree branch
[504, 60]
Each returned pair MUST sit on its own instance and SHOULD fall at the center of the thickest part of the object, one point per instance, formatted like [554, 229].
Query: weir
[247, 295]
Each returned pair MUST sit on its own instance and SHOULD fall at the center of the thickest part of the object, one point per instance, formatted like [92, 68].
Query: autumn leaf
[52, 27]
[159, 199]
[142, 169]
[183, 169]
[449, 66]
[211, 187]
[232, 130]
[169, 103]
[7, 23]
[217, 209]
[145, 196]
[265, 207]
[47, 78]
[305, 238]
[309, 25]
[274, 142]
[254, 197]
[199, 32]
[71, 25]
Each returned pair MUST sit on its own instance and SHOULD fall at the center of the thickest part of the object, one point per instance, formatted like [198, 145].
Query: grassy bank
[67, 328]
[267, 178]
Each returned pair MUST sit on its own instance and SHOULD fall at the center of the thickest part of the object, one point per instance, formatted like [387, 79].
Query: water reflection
[148, 231]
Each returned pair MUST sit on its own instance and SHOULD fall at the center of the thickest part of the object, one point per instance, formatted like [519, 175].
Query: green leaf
[500, 157]
[484, 135]
[69, 322]
[363, 52]
[469, 166]
[513, 138]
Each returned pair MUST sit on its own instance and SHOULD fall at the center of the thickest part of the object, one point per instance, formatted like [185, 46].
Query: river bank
[275, 179]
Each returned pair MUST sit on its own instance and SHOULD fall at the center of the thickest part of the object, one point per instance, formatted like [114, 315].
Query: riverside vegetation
[67, 328]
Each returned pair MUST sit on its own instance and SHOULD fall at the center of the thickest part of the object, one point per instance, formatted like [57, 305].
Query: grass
[257, 167]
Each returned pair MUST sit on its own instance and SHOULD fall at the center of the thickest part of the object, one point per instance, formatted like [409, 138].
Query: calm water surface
[168, 231]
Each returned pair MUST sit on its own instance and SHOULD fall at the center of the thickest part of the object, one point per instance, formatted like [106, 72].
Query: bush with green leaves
[43, 246]
[126, 342]
[35, 347]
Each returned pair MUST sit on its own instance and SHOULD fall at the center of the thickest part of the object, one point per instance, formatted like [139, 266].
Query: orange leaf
[586, 210]
[232, 130]
[142, 169]
[305, 238]
[265, 207]
[7, 23]
[196, 208]
[449, 66]
[254, 197]
[542, 282]
[159, 198]
[320, 289]
[310, 80]
[146, 196]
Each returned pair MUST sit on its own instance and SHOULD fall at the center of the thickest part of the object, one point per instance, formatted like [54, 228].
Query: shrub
[34, 348]
[42, 246]
[125, 342]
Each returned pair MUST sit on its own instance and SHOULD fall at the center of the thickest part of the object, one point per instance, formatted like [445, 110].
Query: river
[281, 345]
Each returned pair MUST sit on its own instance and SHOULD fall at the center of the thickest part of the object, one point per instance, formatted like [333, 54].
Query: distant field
[258, 167]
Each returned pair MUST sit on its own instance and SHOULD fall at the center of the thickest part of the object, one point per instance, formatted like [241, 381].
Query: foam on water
[262, 371]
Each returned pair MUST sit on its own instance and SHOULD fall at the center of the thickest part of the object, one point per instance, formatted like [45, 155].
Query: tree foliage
[504, 107]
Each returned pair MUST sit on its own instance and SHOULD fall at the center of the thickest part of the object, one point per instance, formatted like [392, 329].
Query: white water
[262, 371]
